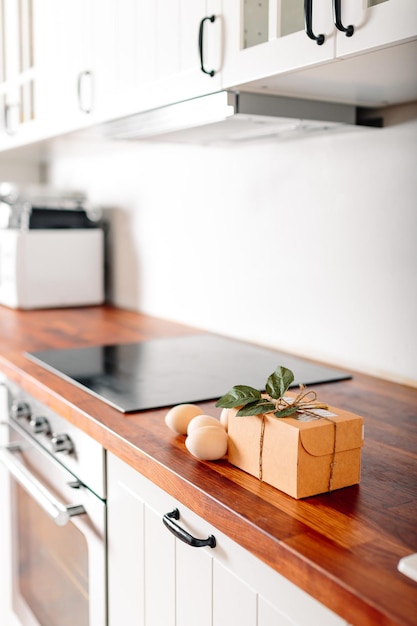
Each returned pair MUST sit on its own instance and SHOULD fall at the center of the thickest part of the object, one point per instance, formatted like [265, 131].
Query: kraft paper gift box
[310, 453]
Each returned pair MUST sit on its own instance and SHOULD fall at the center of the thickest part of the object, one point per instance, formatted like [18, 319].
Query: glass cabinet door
[17, 80]
[268, 37]
[290, 19]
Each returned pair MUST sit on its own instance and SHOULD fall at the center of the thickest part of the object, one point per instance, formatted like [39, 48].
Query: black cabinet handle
[337, 18]
[200, 44]
[85, 104]
[182, 534]
[308, 21]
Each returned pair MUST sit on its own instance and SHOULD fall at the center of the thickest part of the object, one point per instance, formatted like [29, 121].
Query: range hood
[233, 117]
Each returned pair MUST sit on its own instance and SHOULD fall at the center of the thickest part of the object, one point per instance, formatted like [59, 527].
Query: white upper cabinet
[375, 23]
[17, 70]
[46, 86]
[114, 58]
[188, 47]
[64, 51]
[68, 64]
[267, 37]
[121, 43]
[367, 57]
[172, 40]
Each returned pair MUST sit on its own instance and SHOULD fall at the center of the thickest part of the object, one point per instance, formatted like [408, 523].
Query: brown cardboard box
[303, 455]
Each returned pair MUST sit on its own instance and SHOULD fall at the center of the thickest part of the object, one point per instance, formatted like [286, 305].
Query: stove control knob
[40, 424]
[21, 410]
[62, 443]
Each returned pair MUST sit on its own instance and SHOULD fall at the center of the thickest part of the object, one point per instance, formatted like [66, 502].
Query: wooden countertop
[342, 547]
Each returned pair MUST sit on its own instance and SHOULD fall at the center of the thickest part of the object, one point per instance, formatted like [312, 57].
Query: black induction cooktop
[164, 372]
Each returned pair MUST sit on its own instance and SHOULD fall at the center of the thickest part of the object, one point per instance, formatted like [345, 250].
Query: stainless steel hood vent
[232, 118]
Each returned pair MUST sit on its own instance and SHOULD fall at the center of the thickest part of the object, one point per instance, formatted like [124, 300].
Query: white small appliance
[51, 250]
[51, 268]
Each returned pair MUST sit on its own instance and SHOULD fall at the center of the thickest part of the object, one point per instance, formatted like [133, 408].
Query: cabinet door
[45, 67]
[267, 37]
[52, 98]
[377, 23]
[75, 74]
[63, 50]
[146, 54]
[88, 52]
[121, 53]
[178, 72]
[154, 578]
[17, 71]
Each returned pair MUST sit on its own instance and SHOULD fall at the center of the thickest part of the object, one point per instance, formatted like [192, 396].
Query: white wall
[308, 246]
[23, 165]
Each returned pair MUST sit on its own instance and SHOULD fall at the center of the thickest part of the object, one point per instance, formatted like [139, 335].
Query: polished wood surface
[342, 547]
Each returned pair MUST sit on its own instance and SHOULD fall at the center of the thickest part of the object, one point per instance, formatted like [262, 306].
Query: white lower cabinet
[155, 578]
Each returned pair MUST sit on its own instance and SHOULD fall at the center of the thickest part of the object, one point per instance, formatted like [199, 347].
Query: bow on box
[252, 402]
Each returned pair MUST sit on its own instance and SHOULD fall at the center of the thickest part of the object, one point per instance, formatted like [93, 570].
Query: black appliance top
[164, 372]
[46, 218]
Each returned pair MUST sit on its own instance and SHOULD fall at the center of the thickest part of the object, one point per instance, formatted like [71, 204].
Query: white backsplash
[307, 246]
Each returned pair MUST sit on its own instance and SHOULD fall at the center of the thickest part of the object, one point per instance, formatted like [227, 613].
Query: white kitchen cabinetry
[287, 61]
[73, 63]
[97, 60]
[75, 77]
[140, 55]
[165, 55]
[267, 37]
[154, 578]
[178, 69]
[119, 54]
[85, 58]
[45, 50]
[17, 71]
[376, 23]
[118, 58]
[63, 33]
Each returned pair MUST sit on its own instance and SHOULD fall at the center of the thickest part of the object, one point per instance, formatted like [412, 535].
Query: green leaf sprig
[252, 402]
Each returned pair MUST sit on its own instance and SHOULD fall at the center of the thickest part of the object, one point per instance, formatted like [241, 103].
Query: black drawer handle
[308, 20]
[337, 18]
[182, 534]
[200, 44]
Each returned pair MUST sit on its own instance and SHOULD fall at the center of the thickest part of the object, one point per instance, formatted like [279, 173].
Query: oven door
[52, 540]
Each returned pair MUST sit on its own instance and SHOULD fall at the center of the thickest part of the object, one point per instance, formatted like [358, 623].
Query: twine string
[261, 445]
[305, 402]
[333, 461]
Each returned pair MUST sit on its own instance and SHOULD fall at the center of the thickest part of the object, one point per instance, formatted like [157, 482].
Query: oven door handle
[59, 512]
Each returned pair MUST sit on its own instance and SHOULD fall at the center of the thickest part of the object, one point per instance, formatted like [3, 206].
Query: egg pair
[206, 436]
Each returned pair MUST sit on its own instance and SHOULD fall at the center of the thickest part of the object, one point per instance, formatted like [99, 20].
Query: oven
[53, 518]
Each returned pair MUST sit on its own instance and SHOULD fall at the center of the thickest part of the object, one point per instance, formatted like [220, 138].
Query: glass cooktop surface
[164, 372]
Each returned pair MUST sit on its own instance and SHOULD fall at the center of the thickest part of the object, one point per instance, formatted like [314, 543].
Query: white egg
[203, 420]
[207, 443]
[224, 417]
[179, 416]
